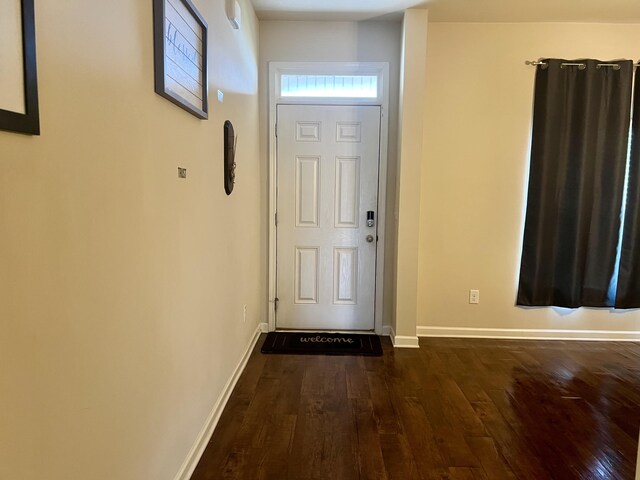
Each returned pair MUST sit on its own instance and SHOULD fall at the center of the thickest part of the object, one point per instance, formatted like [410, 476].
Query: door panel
[347, 198]
[327, 180]
[307, 191]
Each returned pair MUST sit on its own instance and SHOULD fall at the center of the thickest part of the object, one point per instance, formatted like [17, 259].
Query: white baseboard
[400, 341]
[529, 334]
[190, 463]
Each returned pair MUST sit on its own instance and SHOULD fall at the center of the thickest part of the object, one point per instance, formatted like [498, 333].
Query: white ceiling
[599, 11]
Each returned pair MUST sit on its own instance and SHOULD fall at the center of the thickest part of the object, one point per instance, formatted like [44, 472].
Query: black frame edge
[29, 122]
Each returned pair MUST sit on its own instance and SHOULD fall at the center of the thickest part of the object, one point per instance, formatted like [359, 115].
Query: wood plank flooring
[453, 409]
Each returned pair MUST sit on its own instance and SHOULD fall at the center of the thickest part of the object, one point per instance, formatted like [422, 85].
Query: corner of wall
[410, 152]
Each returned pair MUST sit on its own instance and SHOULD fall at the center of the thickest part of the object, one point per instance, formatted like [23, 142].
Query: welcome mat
[320, 343]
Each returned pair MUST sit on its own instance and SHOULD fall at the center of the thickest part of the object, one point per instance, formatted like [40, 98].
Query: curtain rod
[581, 66]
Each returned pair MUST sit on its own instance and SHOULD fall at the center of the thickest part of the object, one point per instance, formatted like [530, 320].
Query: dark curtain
[578, 155]
[628, 293]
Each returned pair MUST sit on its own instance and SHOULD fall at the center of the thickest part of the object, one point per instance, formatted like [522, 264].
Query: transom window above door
[333, 83]
[349, 86]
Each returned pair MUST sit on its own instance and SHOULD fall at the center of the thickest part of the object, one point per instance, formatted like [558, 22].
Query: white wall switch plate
[474, 296]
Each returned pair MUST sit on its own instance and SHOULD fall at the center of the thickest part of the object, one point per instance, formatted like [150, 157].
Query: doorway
[328, 154]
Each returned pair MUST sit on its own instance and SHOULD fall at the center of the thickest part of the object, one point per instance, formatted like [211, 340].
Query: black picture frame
[164, 81]
[28, 122]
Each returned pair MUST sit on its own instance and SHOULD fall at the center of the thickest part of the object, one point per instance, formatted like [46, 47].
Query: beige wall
[367, 41]
[121, 286]
[475, 165]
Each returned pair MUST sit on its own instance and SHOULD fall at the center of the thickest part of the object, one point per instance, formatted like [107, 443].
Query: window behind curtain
[628, 281]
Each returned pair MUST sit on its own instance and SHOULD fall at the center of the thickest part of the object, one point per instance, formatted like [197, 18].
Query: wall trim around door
[381, 69]
[202, 440]
[530, 334]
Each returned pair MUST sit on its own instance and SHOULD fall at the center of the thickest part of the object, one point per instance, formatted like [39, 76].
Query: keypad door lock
[370, 216]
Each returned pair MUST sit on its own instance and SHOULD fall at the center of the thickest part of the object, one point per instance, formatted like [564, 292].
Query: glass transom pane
[343, 86]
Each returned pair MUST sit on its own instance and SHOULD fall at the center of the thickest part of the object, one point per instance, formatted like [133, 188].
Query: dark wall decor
[180, 51]
[230, 142]
[19, 102]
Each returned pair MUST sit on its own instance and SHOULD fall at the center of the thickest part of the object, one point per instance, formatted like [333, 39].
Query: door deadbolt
[369, 238]
[370, 216]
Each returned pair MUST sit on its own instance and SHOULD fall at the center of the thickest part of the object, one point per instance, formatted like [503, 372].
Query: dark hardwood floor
[453, 409]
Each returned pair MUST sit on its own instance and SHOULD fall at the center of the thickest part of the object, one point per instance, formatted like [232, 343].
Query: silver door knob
[369, 238]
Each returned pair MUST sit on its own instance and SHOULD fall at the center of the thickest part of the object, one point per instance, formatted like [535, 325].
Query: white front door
[327, 182]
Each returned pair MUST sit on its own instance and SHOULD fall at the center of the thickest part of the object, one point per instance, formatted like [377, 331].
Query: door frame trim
[276, 69]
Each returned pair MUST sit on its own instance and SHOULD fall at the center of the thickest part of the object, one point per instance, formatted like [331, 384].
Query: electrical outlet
[182, 172]
[244, 313]
[474, 296]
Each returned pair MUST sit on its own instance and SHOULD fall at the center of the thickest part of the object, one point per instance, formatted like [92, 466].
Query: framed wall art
[18, 74]
[180, 50]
